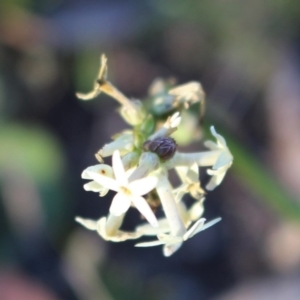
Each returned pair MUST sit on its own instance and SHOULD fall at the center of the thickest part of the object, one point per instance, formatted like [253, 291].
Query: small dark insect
[164, 147]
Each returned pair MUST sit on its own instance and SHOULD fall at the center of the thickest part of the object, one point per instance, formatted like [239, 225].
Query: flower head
[142, 158]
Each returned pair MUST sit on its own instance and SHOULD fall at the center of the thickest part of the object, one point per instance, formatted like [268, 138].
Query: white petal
[211, 145]
[104, 181]
[120, 204]
[94, 186]
[101, 228]
[194, 229]
[147, 229]
[123, 236]
[224, 159]
[87, 223]
[143, 186]
[210, 223]
[220, 139]
[182, 171]
[169, 239]
[193, 173]
[215, 180]
[144, 208]
[175, 120]
[180, 192]
[149, 244]
[101, 169]
[168, 250]
[196, 211]
[103, 192]
[119, 171]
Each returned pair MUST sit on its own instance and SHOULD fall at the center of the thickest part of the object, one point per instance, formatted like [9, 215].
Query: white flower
[172, 243]
[127, 192]
[223, 162]
[190, 183]
[100, 227]
[93, 186]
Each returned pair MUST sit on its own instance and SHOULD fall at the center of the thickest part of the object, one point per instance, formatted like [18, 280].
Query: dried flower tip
[188, 93]
[164, 147]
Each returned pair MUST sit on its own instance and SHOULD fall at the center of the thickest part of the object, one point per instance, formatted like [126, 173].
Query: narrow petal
[123, 235]
[196, 211]
[143, 186]
[210, 223]
[147, 229]
[144, 208]
[215, 180]
[94, 186]
[221, 141]
[101, 169]
[175, 120]
[149, 244]
[87, 223]
[194, 229]
[120, 204]
[168, 250]
[169, 239]
[223, 160]
[119, 171]
[203, 227]
[104, 181]
[211, 145]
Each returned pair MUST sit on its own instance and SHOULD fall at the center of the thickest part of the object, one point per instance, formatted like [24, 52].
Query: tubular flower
[127, 192]
[223, 162]
[100, 227]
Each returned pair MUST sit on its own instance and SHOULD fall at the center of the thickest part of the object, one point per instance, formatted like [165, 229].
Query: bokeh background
[245, 53]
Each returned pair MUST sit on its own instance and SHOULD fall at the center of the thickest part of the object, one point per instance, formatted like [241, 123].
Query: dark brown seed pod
[164, 147]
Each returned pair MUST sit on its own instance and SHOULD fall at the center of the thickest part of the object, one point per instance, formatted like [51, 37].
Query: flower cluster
[141, 160]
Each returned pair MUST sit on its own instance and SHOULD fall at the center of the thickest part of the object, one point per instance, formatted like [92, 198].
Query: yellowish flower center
[125, 190]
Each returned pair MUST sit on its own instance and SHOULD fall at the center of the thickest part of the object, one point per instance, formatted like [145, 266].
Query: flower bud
[164, 147]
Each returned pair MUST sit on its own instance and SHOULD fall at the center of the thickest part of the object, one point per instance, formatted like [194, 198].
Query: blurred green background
[247, 56]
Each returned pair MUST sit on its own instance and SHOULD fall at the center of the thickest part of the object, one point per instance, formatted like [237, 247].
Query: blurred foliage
[32, 149]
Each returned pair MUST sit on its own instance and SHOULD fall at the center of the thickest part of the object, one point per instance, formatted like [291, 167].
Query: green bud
[130, 160]
[148, 125]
